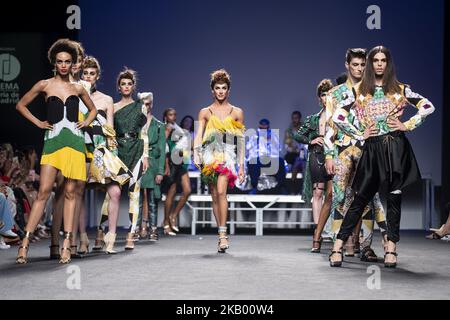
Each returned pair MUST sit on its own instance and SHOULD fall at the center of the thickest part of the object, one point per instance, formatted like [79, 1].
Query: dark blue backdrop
[276, 51]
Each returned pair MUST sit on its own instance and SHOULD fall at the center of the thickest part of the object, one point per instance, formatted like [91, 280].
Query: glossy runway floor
[268, 267]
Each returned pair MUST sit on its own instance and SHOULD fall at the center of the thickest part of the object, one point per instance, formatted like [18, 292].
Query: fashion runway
[269, 267]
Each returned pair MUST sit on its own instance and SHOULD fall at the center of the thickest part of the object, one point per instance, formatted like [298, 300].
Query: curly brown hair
[220, 76]
[91, 62]
[80, 49]
[62, 45]
[324, 86]
[127, 74]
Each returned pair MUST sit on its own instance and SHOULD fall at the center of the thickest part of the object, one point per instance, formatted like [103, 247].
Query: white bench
[196, 175]
[270, 200]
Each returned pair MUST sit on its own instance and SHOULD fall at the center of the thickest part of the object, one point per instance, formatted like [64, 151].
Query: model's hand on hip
[396, 124]
[45, 125]
[370, 131]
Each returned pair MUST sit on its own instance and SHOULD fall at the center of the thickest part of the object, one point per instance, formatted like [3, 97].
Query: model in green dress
[152, 178]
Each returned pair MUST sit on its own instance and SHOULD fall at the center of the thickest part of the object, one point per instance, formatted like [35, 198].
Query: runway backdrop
[276, 52]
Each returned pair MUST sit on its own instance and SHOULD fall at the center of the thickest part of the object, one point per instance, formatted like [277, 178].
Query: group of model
[356, 145]
[91, 141]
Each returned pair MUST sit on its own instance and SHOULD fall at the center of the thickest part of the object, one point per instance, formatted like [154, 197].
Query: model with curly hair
[64, 148]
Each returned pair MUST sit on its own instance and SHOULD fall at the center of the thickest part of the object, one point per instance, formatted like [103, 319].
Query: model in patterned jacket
[387, 156]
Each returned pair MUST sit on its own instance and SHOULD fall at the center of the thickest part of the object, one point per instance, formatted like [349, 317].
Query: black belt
[386, 136]
[128, 135]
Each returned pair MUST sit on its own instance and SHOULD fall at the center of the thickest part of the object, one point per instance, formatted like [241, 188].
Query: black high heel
[53, 255]
[390, 264]
[317, 249]
[336, 263]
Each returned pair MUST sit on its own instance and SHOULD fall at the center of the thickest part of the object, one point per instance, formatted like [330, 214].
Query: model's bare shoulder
[105, 97]
[41, 85]
[203, 113]
[79, 88]
[238, 112]
[238, 109]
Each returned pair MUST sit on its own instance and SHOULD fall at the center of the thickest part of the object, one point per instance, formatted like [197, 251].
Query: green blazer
[156, 156]
[308, 131]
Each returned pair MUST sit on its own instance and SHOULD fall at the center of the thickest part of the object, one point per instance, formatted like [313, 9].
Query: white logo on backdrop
[9, 67]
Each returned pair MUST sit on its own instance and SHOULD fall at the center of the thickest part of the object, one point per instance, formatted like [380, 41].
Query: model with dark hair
[80, 210]
[130, 119]
[64, 148]
[312, 133]
[178, 160]
[387, 157]
[342, 153]
[217, 153]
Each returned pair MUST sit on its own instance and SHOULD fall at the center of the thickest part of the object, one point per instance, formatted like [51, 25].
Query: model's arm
[341, 119]
[22, 105]
[240, 139]
[144, 132]
[198, 137]
[110, 112]
[108, 128]
[84, 96]
[303, 135]
[424, 109]
[162, 148]
[330, 130]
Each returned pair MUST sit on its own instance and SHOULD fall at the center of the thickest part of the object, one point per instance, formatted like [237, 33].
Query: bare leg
[323, 217]
[186, 186]
[215, 202]
[70, 199]
[222, 185]
[79, 204]
[58, 210]
[167, 208]
[317, 201]
[82, 222]
[48, 176]
[169, 203]
[113, 206]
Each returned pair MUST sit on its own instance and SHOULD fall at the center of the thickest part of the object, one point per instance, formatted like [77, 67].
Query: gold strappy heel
[22, 258]
[64, 258]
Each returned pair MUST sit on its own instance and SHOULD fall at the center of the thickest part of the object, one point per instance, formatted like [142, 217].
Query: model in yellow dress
[219, 148]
